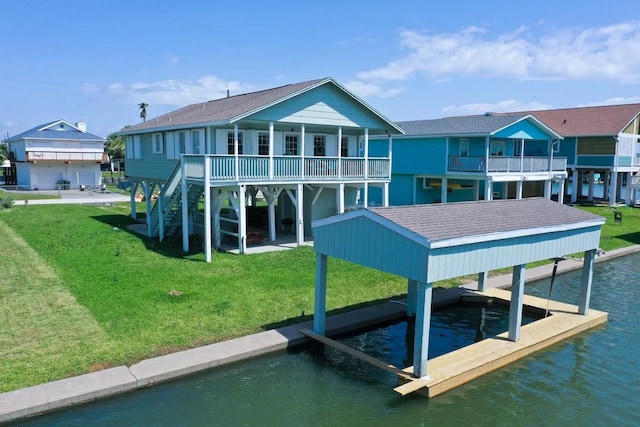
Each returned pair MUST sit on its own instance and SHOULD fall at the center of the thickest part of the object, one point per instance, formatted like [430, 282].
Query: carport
[429, 243]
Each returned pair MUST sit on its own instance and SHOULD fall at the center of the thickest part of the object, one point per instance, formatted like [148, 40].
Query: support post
[242, 218]
[519, 190]
[561, 192]
[147, 197]
[340, 197]
[160, 218]
[488, 190]
[300, 215]
[207, 208]
[271, 164]
[516, 306]
[587, 275]
[132, 196]
[443, 190]
[476, 190]
[547, 189]
[385, 194]
[412, 291]
[423, 320]
[366, 195]
[482, 281]
[236, 159]
[185, 206]
[320, 303]
[575, 177]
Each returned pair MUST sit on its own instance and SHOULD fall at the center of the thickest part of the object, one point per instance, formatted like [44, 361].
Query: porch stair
[170, 198]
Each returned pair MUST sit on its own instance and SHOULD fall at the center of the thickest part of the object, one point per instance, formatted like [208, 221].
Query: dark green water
[592, 379]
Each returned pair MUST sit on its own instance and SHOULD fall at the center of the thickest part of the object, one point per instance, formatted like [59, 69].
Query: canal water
[592, 379]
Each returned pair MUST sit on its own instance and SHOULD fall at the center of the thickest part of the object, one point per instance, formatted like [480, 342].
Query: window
[133, 147]
[291, 145]
[182, 142]
[158, 143]
[344, 146]
[263, 143]
[556, 147]
[319, 145]
[464, 147]
[195, 142]
[497, 148]
[231, 143]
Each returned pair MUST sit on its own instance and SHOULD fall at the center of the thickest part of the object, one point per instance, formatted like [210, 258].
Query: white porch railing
[286, 168]
[66, 156]
[505, 164]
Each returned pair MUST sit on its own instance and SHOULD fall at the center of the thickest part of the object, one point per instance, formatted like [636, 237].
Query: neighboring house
[56, 153]
[601, 140]
[302, 147]
[473, 157]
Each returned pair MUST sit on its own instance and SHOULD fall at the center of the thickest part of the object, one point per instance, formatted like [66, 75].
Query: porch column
[505, 190]
[132, 197]
[516, 306]
[366, 195]
[300, 215]
[488, 190]
[271, 136]
[207, 208]
[521, 155]
[561, 192]
[302, 165]
[443, 190]
[242, 219]
[613, 192]
[385, 194]
[185, 207]
[591, 182]
[320, 302]
[627, 196]
[547, 189]
[476, 190]
[339, 152]
[605, 185]
[235, 152]
[340, 197]
[482, 281]
[619, 182]
[412, 293]
[423, 320]
[366, 153]
[519, 190]
[587, 275]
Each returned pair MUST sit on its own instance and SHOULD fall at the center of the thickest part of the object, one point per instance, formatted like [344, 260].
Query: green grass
[25, 195]
[79, 292]
[121, 282]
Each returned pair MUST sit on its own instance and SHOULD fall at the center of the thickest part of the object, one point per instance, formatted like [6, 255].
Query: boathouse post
[482, 281]
[587, 275]
[516, 306]
[423, 321]
[412, 290]
[320, 303]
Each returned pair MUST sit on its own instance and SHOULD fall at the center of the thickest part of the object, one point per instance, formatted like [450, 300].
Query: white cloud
[610, 52]
[365, 90]
[171, 92]
[614, 101]
[498, 107]
[171, 59]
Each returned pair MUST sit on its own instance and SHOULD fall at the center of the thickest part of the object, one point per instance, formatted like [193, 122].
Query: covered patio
[429, 243]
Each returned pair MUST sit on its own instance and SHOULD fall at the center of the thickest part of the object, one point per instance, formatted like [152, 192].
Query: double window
[231, 143]
[498, 148]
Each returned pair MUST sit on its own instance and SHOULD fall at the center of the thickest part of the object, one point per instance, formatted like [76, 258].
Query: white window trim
[324, 136]
[556, 147]
[498, 144]
[284, 144]
[241, 141]
[157, 149]
[263, 133]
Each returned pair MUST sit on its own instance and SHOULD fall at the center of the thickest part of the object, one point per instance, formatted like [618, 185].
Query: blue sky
[95, 61]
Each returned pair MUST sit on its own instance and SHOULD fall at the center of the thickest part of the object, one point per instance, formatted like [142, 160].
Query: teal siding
[567, 148]
[371, 244]
[524, 129]
[401, 190]
[625, 161]
[150, 166]
[324, 105]
[419, 156]
[597, 161]
[474, 258]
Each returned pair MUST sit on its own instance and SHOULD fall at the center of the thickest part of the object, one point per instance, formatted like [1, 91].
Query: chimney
[82, 126]
[227, 93]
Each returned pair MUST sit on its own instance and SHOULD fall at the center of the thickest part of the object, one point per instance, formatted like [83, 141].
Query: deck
[525, 164]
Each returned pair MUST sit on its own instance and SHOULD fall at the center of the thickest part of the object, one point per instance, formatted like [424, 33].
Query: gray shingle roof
[463, 125]
[66, 133]
[434, 222]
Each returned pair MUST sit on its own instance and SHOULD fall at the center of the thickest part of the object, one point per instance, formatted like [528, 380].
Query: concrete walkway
[84, 388]
[68, 197]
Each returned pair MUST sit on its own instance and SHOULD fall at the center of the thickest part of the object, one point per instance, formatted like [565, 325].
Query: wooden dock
[468, 363]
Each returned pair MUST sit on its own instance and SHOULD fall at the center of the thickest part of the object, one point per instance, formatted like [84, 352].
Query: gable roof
[478, 125]
[602, 120]
[233, 108]
[56, 130]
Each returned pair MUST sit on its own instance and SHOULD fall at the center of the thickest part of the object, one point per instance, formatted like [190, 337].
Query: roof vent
[169, 118]
[564, 121]
[488, 113]
[82, 126]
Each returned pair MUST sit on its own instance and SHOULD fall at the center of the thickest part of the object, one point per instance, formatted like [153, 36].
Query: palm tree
[143, 111]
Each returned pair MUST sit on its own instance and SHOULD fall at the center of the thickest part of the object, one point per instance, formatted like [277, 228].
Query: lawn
[80, 292]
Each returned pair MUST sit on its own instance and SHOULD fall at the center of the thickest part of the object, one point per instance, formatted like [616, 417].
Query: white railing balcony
[252, 168]
[66, 156]
[506, 164]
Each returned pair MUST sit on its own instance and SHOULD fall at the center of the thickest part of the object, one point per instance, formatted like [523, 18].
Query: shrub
[6, 202]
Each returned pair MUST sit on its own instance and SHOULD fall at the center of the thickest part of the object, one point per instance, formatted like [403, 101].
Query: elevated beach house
[473, 157]
[301, 150]
[599, 142]
[56, 155]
